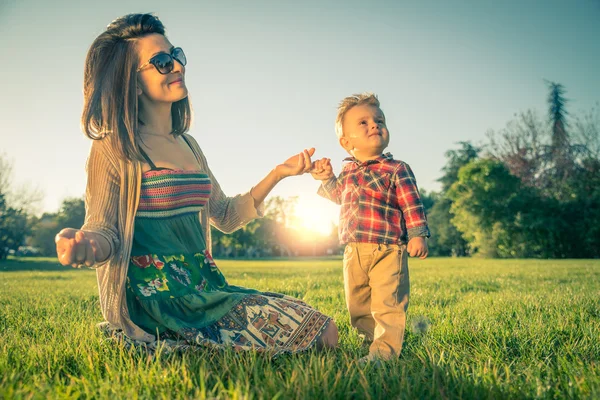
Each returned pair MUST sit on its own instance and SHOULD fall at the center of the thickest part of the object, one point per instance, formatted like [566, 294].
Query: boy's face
[365, 132]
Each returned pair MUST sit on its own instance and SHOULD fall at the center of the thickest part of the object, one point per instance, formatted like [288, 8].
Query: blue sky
[265, 78]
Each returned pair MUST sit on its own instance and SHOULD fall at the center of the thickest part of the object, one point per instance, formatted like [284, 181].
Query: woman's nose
[177, 66]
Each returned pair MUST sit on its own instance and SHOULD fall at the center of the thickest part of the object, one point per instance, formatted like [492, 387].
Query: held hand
[417, 247]
[295, 165]
[322, 170]
[76, 248]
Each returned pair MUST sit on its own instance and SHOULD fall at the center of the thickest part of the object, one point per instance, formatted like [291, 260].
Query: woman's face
[152, 85]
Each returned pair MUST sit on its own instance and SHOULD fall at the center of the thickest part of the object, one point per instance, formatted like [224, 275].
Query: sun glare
[314, 216]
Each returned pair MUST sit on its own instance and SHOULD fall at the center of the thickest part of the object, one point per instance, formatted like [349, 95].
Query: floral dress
[176, 291]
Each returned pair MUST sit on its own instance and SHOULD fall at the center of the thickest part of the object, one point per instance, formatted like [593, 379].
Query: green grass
[496, 329]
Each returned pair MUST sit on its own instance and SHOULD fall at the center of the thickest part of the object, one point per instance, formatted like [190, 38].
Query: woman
[150, 200]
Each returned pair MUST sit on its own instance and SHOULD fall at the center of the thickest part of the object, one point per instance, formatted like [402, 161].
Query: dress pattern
[176, 291]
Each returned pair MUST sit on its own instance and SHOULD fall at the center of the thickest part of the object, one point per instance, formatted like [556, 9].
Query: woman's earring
[139, 91]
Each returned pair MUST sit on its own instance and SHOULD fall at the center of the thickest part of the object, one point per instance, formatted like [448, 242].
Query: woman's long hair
[109, 85]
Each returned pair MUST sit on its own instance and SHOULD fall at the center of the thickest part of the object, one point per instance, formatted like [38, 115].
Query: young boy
[381, 220]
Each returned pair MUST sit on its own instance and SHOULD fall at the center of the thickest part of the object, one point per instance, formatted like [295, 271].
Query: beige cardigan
[111, 201]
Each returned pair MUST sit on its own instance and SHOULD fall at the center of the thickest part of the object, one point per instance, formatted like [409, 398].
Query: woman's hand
[78, 248]
[295, 165]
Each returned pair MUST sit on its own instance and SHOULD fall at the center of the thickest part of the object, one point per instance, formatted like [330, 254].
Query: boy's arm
[410, 203]
[331, 189]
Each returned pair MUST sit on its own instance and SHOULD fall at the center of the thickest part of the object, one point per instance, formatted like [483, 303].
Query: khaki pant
[377, 289]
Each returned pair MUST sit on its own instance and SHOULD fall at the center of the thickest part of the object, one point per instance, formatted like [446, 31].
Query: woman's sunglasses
[164, 62]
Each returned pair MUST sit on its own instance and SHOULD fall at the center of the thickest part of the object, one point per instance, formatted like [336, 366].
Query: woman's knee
[329, 338]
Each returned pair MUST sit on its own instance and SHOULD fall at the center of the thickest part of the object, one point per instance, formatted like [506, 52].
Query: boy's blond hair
[352, 101]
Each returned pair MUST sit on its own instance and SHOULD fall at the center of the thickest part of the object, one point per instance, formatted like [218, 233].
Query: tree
[263, 236]
[71, 213]
[587, 133]
[43, 231]
[544, 155]
[521, 146]
[446, 240]
[13, 227]
[22, 197]
[45, 228]
[15, 208]
[554, 210]
[560, 147]
[456, 159]
[482, 204]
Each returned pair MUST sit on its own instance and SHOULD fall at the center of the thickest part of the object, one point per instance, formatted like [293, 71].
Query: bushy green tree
[557, 210]
[16, 205]
[45, 228]
[482, 202]
[446, 240]
[14, 227]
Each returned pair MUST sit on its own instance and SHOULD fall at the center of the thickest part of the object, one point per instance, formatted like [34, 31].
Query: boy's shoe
[366, 341]
[371, 360]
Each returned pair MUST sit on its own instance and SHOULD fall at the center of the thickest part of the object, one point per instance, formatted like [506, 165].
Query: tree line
[530, 190]
[270, 236]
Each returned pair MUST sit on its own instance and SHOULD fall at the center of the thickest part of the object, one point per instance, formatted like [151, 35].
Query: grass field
[476, 329]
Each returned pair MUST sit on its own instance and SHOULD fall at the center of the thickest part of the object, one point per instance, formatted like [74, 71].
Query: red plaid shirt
[380, 201]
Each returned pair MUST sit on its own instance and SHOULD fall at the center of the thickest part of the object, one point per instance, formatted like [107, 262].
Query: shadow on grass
[433, 374]
[31, 264]
[416, 375]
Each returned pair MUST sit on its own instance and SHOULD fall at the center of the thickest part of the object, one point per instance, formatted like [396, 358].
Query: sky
[265, 78]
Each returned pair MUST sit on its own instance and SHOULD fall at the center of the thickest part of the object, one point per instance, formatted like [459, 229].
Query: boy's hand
[417, 247]
[322, 169]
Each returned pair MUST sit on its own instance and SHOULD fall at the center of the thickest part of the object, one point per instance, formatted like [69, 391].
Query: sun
[314, 216]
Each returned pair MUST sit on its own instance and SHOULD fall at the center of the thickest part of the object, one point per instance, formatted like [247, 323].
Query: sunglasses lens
[163, 63]
[179, 55]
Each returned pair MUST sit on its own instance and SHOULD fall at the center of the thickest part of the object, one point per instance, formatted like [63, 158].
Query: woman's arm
[231, 213]
[97, 240]
[295, 165]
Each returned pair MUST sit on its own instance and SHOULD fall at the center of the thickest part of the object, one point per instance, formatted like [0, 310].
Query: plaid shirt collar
[384, 157]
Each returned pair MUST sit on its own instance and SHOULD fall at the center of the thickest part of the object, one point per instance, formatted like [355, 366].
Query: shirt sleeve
[102, 198]
[227, 214]
[410, 203]
[331, 190]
